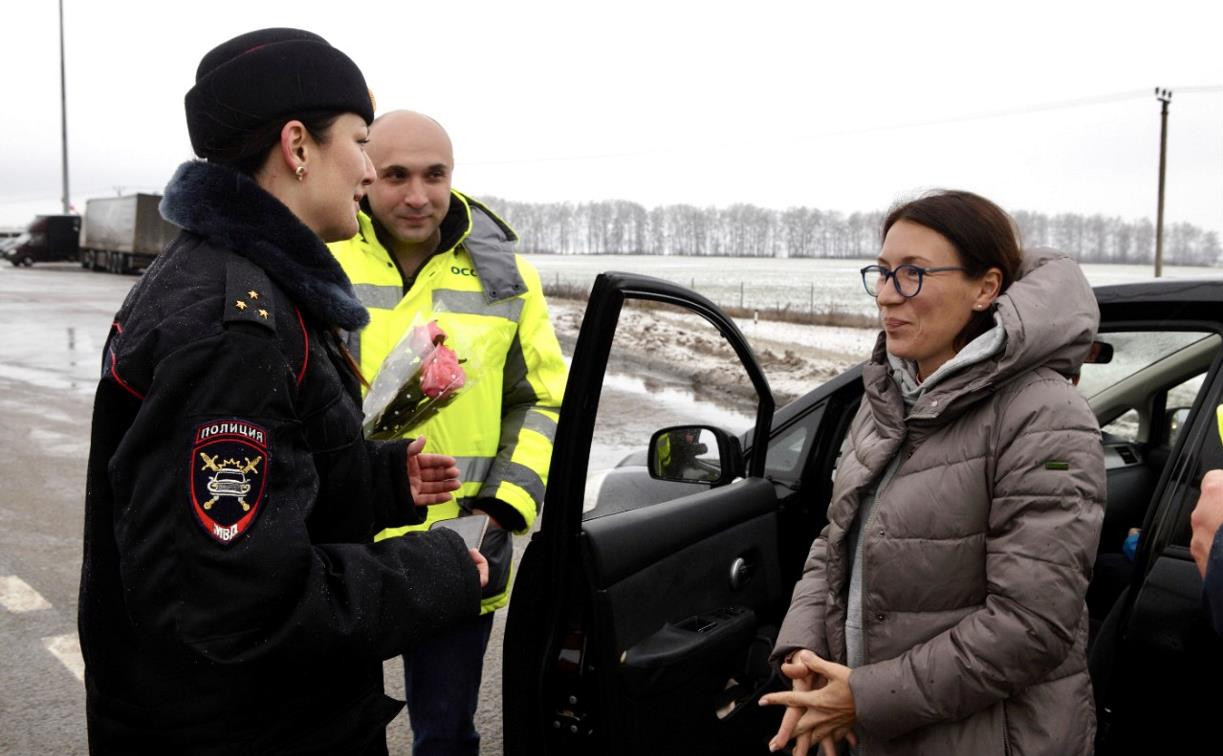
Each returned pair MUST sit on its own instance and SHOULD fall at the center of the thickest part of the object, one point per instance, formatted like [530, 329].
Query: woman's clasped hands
[820, 708]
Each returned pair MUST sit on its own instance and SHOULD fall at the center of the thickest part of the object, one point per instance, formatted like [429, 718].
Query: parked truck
[48, 238]
[124, 234]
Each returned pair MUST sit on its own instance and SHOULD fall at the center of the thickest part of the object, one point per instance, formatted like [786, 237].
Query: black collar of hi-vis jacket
[229, 208]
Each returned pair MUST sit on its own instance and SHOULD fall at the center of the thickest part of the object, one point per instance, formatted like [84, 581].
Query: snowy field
[801, 284]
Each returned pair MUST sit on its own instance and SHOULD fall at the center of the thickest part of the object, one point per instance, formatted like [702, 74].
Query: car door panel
[672, 657]
[678, 630]
[1167, 653]
[1169, 603]
[633, 630]
[652, 572]
[627, 542]
[695, 579]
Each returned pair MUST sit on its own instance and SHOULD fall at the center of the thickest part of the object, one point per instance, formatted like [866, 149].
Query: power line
[1077, 102]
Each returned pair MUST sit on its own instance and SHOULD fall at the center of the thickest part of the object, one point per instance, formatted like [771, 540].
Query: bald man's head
[406, 128]
[413, 160]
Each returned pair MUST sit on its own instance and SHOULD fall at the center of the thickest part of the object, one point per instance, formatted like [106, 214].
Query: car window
[1180, 400]
[1124, 428]
[1183, 394]
[1144, 366]
[1204, 447]
[668, 367]
[1132, 352]
[788, 450]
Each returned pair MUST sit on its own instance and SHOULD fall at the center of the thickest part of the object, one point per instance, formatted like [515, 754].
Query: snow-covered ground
[795, 358]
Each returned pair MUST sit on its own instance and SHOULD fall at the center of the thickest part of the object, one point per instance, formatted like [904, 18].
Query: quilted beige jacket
[977, 555]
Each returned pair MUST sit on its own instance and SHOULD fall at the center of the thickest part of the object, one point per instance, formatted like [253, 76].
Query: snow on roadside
[795, 357]
[831, 340]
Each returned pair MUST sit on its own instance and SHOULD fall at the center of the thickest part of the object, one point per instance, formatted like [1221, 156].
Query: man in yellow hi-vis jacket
[426, 252]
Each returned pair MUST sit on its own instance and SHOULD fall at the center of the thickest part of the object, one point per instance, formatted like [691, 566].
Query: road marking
[67, 648]
[17, 596]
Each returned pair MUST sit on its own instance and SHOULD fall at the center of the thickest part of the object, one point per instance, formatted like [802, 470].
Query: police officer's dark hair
[248, 154]
[984, 236]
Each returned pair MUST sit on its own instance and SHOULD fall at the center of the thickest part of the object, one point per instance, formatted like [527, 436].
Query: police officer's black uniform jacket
[231, 598]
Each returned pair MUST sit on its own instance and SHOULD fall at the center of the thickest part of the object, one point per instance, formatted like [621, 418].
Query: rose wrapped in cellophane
[418, 378]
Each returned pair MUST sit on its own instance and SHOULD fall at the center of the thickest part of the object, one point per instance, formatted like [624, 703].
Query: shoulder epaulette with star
[248, 294]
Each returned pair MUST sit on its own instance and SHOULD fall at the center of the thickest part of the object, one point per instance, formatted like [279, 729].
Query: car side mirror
[1177, 417]
[695, 454]
[1101, 353]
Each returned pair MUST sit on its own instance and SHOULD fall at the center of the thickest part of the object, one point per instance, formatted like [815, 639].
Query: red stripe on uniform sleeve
[306, 350]
[115, 374]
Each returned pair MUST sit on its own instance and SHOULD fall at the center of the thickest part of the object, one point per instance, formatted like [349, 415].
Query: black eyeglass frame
[886, 273]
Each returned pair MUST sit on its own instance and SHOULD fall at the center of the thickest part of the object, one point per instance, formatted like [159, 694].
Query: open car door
[1156, 655]
[635, 624]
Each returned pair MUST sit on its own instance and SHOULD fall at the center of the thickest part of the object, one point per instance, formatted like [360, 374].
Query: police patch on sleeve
[229, 474]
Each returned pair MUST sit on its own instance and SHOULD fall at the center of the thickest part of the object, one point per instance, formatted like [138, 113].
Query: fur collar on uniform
[230, 209]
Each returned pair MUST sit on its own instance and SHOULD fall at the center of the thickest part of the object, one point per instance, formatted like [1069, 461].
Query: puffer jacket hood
[1049, 282]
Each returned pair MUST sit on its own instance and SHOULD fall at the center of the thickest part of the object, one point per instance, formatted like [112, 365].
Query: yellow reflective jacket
[490, 303]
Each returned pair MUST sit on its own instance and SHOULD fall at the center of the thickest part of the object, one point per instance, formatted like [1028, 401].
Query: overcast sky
[1044, 106]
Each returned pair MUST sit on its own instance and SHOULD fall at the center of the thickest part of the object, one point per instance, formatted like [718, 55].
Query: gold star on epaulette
[252, 294]
[240, 304]
[263, 313]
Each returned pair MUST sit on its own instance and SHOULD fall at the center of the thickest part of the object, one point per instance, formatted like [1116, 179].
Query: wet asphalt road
[54, 319]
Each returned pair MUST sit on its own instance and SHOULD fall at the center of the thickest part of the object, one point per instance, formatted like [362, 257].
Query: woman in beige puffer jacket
[964, 519]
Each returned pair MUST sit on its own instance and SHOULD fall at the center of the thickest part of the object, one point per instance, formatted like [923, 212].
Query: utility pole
[1165, 97]
[63, 109]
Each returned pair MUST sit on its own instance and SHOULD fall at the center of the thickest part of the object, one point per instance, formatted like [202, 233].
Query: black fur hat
[262, 75]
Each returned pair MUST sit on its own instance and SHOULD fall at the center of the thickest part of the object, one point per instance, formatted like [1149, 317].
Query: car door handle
[740, 572]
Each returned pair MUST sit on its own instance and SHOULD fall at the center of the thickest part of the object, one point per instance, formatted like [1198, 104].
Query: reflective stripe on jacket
[490, 303]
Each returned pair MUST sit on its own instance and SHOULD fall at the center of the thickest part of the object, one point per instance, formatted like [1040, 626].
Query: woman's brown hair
[983, 236]
[248, 154]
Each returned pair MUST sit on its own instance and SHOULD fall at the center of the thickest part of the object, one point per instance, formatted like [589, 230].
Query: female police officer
[231, 600]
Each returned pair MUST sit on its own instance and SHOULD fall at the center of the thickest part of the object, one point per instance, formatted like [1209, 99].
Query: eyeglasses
[906, 278]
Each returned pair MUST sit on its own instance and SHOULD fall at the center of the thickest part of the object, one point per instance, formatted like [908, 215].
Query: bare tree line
[622, 227]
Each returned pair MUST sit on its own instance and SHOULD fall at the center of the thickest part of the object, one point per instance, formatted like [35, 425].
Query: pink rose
[440, 374]
[425, 337]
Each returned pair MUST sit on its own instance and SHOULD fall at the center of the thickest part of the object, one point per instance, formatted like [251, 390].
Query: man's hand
[481, 565]
[829, 713]
[432, 477]
[1206, 518]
